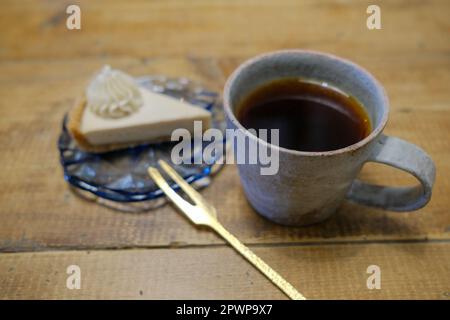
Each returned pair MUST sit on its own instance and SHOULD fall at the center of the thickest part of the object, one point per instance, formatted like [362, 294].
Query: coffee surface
[309, 116]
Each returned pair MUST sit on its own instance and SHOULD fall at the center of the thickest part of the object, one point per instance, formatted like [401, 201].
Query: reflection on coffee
[309, 116]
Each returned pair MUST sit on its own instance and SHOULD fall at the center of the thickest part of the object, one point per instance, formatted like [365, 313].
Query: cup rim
[353, 147]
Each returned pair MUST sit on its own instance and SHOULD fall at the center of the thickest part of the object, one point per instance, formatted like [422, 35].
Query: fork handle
[265, 269]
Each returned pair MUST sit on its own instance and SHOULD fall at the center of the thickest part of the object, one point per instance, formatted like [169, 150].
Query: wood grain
[408, 271]
[203, 28]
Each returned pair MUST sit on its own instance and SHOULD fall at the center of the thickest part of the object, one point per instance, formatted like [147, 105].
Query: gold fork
[202, 213]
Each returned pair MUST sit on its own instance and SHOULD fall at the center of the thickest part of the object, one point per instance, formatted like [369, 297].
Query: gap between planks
[180, 246]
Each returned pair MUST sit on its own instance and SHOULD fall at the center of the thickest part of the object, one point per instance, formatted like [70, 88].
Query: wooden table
[44, 228]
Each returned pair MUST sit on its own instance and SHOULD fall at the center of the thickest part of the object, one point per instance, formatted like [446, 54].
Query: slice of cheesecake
[117, 113]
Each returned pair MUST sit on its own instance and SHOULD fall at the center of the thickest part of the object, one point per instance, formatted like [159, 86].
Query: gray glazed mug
[310, 186]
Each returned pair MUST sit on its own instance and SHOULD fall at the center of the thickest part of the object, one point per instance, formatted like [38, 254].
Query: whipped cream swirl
[113, 94]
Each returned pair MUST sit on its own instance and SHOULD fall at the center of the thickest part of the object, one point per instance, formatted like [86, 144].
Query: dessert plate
[119, 179]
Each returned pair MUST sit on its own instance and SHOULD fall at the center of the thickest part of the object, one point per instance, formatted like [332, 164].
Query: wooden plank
[220, 28]
[408, 271]
[39, 212]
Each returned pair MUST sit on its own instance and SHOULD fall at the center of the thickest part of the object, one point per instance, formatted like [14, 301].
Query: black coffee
[309, 116]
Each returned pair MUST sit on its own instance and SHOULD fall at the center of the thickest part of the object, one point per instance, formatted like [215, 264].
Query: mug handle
[408, 157]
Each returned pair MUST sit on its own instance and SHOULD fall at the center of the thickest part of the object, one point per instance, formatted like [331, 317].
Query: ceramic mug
[310, 186]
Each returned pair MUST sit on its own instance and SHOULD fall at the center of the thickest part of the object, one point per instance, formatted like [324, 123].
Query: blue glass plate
[121, 176]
